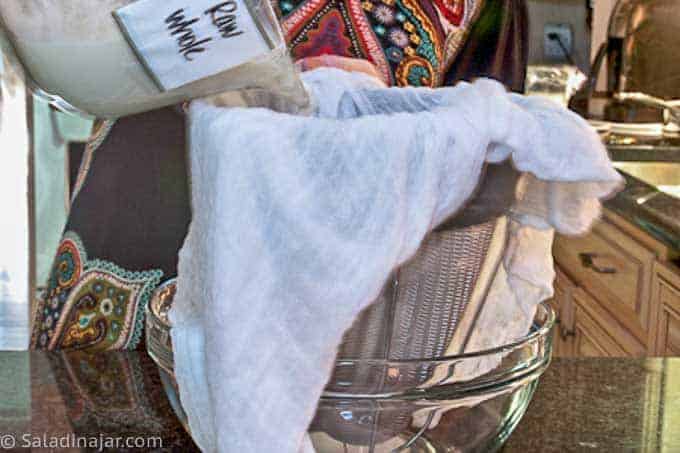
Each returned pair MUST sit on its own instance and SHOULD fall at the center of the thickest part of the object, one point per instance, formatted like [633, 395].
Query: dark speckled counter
[643, 205]
[604, 404]
[581, 404]
[658, 215]
[54, 397]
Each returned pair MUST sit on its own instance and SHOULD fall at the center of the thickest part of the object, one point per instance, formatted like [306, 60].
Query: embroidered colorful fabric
[411, 42]
[98, 305]
[91, 304]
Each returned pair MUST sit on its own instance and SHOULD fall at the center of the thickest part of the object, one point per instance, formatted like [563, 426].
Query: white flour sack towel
[299, 220]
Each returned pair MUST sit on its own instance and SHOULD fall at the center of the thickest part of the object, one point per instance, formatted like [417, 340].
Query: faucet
[673, 109]
[612, 49]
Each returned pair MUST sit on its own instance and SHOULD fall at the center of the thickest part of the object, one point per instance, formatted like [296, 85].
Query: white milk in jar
[76, 49]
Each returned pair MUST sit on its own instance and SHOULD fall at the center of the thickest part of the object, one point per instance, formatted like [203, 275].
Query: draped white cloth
[298, 221]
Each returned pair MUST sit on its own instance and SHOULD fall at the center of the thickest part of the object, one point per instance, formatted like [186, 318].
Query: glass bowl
[464, 403]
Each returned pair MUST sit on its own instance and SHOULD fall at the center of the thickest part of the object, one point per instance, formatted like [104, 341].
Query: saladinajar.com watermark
[72, 441]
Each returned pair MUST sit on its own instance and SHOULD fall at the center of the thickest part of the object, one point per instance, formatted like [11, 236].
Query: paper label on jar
[182, 41]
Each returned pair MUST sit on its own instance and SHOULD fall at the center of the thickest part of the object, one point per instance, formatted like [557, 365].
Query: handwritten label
[186, 38]
[182, 41]
[225, 19]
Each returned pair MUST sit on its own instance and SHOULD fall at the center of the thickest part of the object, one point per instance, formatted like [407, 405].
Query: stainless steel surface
[420, 308]
[619, 18]
[671, 109]
[610, 51]
[651, 49]
[642, 48]
[641, 54]
[415, 316]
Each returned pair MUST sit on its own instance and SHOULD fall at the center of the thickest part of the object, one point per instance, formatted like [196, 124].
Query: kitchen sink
[640, 142]
[665, 176]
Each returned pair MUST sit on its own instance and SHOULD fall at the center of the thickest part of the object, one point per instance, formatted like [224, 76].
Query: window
[14, 219]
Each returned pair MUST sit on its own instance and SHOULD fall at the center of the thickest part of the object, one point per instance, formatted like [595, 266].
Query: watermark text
[74, 441]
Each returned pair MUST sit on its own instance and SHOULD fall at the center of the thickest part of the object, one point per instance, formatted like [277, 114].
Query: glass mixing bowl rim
[530, 367]
[536, 334]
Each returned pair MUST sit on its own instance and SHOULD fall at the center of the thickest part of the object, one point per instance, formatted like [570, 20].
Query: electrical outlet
[552, 50]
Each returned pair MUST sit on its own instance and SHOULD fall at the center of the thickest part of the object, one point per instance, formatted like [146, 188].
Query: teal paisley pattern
[91, 305]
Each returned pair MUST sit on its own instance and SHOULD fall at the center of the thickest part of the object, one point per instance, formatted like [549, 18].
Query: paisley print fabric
[91, 304]
[407, 40]
[130, 209]
[130, 200]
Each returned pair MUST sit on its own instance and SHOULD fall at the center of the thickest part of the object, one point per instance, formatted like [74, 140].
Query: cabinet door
[562, 305]
[614, 268]
[666, 304]
[597, 334]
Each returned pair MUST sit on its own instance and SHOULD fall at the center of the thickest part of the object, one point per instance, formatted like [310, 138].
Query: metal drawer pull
[563, 332]
[588, 261]
[566, 333]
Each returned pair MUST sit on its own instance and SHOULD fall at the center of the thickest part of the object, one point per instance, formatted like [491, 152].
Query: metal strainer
[425, 310]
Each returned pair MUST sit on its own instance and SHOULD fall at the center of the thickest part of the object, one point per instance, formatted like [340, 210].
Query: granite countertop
[654, 212]
[581, 404]
[603, 404]
[114, 394]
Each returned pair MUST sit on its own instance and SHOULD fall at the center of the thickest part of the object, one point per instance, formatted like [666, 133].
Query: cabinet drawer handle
[588, 261]
[566, 333]
[562, 331]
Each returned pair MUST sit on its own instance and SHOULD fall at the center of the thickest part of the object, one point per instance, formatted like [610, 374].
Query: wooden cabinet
[562, 304]
[616, 294]
[591, 338]
[613, 267]
[584, 328]
[597, 333]
[666, 306]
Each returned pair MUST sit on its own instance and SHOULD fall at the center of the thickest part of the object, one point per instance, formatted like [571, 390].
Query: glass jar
[78, 58]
